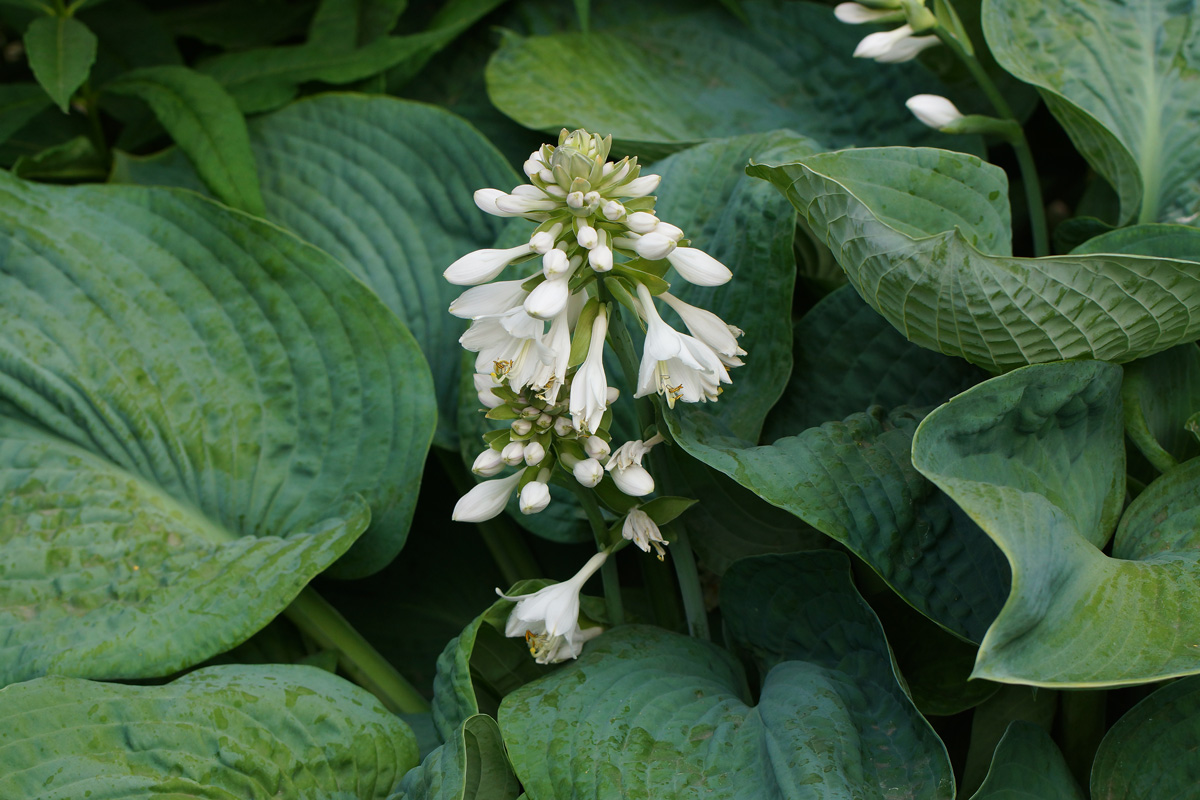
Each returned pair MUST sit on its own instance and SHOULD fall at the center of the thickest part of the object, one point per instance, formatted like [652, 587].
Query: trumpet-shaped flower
[589, 387]
[677, 366]
[549, 617]
[481, 266]
[550, 375]
[640, 529]
[485, 500]
[710, 329]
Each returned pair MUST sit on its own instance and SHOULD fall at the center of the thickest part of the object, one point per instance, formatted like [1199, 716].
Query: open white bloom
[486, 500]
[549, 377]
[481, 266]
[895, 46]
[632, 452]
[589, 387]
[698, 267]
[677, 366]
[509, 346]
[710, 329]
[549, 617]
[933, 110]
[642, 531]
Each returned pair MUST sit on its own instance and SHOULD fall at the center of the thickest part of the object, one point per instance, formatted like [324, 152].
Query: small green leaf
[665, 509]
[238, 731]
[471, 765]
[206, 124]
[924, 236]
[61, 51]
[1027, 763]
[1150, 752]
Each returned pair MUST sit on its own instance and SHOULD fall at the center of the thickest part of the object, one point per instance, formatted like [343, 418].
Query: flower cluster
[539, 341]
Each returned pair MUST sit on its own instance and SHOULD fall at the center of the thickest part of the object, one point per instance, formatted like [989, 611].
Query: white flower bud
[555, 263]
[613, 394]
[513, 453]
[535, 496]
[670, 231]
[640, 187]
[653, 246]
[575, 199]
[483, 387]
[633, 480]
[481, 266]
[587, 237]
[698, 267]
[596, 447]
[518, 205]
[935, 111]
[857, 14]
[541, 242]
[534, 453]
[531, 167]
[487, 463]
[563, 427]
[600, 259]
[543, 421]
[486, 500]
[486, 200]
[588, 472]
[521, 427]
[641, 222]
[547, 176]
[613, 210]
[548, 298]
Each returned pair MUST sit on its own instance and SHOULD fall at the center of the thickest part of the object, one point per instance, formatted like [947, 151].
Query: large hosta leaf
[1130, 102]
[194, 406]
[923, 235]
[666, 83]
[1036, 458]
[645, 713]
[471, 765]
[385, 186]
[286, 732]
[1151, 751]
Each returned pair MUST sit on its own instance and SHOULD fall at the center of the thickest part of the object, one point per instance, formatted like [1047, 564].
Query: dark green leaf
[61, 51]
[19, 103]
[73, 161]
[1028, 766]
[472, 765]
[1159, 394]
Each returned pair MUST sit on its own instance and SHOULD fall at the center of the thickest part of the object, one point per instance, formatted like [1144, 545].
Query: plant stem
[502, 539]
[314, 615]
[1082, 728]
[660, 588]
[1029, 173]
[689, 582]
[608, 572]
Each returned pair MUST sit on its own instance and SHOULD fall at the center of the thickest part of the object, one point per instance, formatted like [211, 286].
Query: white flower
[653, 246]
[589, 387]
[549, 297]
[549, 617]
[507, 355]
[698, 267]
[633, 480]
[677, 366]
[710, 329]
[595, 447]
[488, 300]
[641, 530]
[587, 237]
[484, 383]
[549, 377]
[613, 210]
[857, 14]
[632, 452]
[487, 463]
[933, 110]
[486, 200]
[534, 453]
[641, 222]
[535, 496]
[513, 452]
[543, 241]
[523, 203]
[483, 265]
[893, 47]
[588, 472]
[486, 500]
[555, 263]
[639, 187]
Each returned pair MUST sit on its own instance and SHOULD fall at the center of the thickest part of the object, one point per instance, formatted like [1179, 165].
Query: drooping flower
[640, 529]
[549, 617]
[675, 365]
[710, 329]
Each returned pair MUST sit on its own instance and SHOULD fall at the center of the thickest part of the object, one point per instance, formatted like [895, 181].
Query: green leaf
[206, 124]
[472, 765]
[223, 732]
[1151, 751]
[661, 84]
[1130, 103]
[1159, 394]
[647, 713]
[75, 160]
[923, 235]
[1027, 764]
[848, 358]
[385, 186]
[1036, 457]
[19, 103]
[1181, 242]
[343, 25]
[991, 721]
[194, 406]
[61, 51]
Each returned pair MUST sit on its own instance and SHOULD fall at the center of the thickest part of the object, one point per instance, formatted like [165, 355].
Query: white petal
[907, 49]
[483, 265]
[707, 327]
[698, 267]
[490, 299]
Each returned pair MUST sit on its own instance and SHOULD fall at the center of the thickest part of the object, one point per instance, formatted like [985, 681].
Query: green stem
[689, 581]
[664, 599]
[1029, 173]
[1082, 728]
[92, 99]
[502, 539]
[608, 572]
[312, 614]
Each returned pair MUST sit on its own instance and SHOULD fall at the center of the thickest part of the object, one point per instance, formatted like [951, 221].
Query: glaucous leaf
[660, 84]
[1180, 242]
[198, 413]
[924, 237]
[206, 124]
[471, 765]
[1130, 102]
[289, 732]
[1151, 751]
[61, 50]
[647, 713]
[1028, 766]
[385, 186]
[1036, 457]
